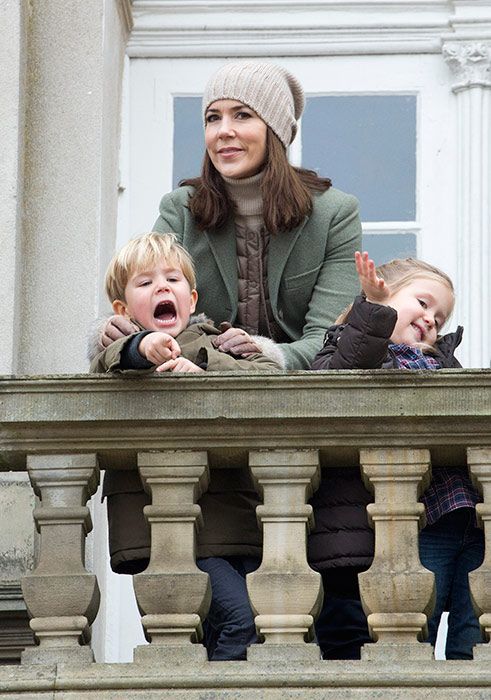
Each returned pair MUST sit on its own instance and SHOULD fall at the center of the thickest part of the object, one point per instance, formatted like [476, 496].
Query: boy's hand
[180, 364]
[159, 347]
[114, 328]
[375, 287]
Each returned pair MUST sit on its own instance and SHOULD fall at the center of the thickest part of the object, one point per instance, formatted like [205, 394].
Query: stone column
[61, 596]
[12, 117]
[479, 461]
[285, 592]
[172, 593]
[470, 63]
[68, 197]
[397, 591]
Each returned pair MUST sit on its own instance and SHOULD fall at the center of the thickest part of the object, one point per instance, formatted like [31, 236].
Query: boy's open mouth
[165, 312]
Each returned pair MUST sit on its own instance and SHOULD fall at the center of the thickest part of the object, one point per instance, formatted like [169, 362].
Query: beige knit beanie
[270, 90]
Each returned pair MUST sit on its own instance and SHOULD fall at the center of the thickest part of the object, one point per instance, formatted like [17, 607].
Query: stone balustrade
[174, 430]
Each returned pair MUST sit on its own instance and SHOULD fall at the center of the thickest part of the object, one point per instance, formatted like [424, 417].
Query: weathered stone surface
[337, 412]
[172, 593]
[397, 591]
[285, 592]
[17, 551]
[479, 461]
[245, 680]
[60, 595]
[228, 416]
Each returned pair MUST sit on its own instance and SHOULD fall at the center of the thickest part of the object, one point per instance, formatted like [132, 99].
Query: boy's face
[159, 298]
[422, 308]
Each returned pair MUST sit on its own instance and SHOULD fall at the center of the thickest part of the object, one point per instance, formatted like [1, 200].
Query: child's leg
[438, 549]
[441, 548]
[341, 628]
[464, 630]
[230, 617]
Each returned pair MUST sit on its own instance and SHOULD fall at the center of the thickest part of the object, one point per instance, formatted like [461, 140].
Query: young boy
[395, 323]
[151, 282]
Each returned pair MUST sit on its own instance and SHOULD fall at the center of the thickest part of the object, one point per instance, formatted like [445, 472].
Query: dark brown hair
[286, 191]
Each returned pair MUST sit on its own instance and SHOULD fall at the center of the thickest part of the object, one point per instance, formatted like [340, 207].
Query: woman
[276, 245]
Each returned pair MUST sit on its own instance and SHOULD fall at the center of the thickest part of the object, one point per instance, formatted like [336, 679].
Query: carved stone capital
[470, 62]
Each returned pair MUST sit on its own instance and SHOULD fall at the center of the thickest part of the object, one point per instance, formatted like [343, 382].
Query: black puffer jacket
[342, 535]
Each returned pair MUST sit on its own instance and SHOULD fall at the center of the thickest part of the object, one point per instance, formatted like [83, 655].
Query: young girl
[393, 324]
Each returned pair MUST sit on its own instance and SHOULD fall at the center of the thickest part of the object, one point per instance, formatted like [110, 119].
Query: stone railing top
[228, 414]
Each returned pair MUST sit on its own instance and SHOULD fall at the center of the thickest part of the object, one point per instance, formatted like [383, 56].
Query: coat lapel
[224, 249]
[280, 247]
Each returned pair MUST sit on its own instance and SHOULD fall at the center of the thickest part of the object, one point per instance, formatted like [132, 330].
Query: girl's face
[422, 308]
[235, 139]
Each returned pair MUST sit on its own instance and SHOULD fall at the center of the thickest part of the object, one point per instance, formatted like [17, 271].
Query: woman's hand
[235, 341]
[114, 328]
[159, 347]
[375, 287]
[180, 364]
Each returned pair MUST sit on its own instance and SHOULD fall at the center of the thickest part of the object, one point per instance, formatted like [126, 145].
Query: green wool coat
[311, 271]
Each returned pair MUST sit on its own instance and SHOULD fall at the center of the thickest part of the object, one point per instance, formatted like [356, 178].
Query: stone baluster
[397, 591]
[479, 461]
[172, 593]
[61, 596]
[285, 592]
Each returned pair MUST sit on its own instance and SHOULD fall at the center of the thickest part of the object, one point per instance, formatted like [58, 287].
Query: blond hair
[141, 252]
[400, 272]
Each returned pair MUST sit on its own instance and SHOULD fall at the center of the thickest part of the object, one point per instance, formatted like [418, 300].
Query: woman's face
[235, 139]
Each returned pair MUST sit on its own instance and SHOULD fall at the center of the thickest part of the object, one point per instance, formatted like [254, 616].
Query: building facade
[100, 111]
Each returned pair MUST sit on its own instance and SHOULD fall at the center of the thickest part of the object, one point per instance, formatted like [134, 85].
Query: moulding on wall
[126, 12]
[471, 19]
[277, 5]
[194, 28]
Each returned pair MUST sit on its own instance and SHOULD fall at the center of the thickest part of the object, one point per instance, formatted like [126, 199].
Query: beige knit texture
[270, 90]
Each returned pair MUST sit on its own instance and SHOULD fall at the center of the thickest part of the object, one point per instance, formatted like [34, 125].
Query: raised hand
[375, 287]
[159, 347]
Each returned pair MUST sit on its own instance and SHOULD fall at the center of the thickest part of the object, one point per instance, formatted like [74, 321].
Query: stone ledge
[251, 681]
[446, 411]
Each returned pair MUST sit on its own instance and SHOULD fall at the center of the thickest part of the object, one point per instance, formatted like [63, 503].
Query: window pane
[383, 247]
[189, 141]
[367, 146]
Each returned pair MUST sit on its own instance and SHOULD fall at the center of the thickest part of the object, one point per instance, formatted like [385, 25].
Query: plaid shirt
[450, 488]
[407, 357]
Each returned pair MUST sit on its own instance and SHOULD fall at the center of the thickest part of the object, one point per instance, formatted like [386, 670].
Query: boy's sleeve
[222, 362]
[122, 355]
